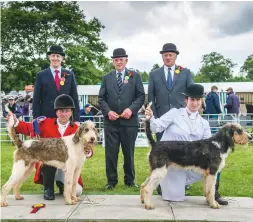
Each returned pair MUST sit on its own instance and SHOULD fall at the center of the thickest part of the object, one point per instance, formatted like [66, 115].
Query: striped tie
[119, 81]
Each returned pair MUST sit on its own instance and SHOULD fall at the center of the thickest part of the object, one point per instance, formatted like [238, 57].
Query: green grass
[236, 178]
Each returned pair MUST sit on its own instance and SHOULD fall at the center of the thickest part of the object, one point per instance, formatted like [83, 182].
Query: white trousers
[59, 176]
[173, 184]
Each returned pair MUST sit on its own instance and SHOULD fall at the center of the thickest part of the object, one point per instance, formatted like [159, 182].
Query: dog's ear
[76, 136]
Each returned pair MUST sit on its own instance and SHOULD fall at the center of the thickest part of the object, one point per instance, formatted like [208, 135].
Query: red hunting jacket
[48, 129]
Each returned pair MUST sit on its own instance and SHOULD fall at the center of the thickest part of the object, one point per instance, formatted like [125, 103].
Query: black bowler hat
[64, 101]
[194, 91]
[169, 47]
[56, 49]
[120, 52]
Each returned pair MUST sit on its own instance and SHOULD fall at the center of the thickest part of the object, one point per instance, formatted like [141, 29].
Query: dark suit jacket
[163, 98]
[132, 96]
[45, 93]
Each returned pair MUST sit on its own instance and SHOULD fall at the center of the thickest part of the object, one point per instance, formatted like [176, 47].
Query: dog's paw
[149, 206]
[70, 202]
[76, 199]
[19, 197]
[215, 205]
[4, 204]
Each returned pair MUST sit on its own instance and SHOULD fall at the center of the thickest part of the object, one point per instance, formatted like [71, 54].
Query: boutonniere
[131, 74]
[178, 69]
[125, 81]
[63, 78]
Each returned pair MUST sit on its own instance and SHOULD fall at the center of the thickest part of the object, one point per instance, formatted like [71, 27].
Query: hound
[67, 153]
[205, 156]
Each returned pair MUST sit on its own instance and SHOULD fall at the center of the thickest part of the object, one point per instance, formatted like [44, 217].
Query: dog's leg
[18, 171]
[142, 189]
[156, 176]
[210, 191]
[204, 185]
[68, 183]
[19, 183]
[75, 181]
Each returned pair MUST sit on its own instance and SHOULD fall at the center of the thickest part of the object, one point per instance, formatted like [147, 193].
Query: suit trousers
[116, 135]
[48, 173]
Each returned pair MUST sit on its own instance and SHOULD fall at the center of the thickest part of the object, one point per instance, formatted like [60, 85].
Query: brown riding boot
[218, 198]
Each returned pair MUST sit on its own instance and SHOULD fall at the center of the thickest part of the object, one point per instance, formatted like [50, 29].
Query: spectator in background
[233, 104]
[86, 114]
[243, 109]
[26, 107]
[13, 107]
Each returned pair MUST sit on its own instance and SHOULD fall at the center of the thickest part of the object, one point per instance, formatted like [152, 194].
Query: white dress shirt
[62, 128]
[53, 71]
[172, 70]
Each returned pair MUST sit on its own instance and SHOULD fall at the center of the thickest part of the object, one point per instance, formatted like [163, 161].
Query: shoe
[49, 194]
[159, 190]
[60, 185]
[187, 187]
[132, 185]
[109, 186]
[218, 198]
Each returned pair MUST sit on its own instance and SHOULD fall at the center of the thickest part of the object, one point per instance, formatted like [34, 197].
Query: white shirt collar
[53, 70]
[62, 125]
[193, 115]
[166, 68]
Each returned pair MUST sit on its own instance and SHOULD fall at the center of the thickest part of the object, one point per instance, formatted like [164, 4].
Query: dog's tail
[149, 133]
[11, 130]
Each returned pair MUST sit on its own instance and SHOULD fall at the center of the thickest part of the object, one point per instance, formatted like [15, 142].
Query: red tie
[57, 79]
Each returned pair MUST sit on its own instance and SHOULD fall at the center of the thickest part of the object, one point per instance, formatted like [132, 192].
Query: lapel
[175, 77]
[51, 78]
[186, 118]
[68, 131]
[125, 84]
[114, 80]
[162, 74]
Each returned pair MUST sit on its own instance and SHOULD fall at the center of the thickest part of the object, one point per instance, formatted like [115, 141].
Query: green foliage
[216, 67]
[248, 67]
[30, 28]
[155, 66]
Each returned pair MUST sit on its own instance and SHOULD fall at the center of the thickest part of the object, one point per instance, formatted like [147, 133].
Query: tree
[248, 67]
[155, 66]
[144, 76]
[30, 28]
[216, 67]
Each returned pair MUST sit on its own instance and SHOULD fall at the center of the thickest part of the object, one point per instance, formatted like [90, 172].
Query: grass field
[236, 178]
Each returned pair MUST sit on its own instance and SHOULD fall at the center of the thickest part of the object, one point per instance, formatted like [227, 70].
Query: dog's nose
[249, 137]
[92, 139]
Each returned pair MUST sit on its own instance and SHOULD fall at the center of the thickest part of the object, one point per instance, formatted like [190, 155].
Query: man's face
[63, 115]
[11, 101]
[193, 104]
[120, 63]
[87, 110]
[55, 60]
[169, 58]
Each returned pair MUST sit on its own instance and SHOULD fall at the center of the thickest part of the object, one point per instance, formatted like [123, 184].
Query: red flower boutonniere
[131, 74]
[63, 78]
[178, 69]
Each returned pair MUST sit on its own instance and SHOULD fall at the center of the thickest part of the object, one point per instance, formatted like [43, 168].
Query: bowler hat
[169, 47]
[56, 49]
[194, 91]
[119, 52]
[63, 102]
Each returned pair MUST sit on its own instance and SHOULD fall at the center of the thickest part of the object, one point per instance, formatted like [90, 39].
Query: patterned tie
[169, 79]
[57, 79]
[119, 81]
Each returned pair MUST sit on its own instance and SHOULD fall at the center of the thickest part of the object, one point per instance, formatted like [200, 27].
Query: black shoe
[159, 190]
[49, 194]
[60, 185]
[132, 185]
[109, 186]
[187, 187]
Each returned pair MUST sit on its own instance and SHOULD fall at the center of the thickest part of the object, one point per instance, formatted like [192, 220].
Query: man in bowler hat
[49, 84]
[120, 97]
[166, 84]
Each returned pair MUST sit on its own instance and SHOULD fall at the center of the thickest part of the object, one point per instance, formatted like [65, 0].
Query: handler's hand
[112, 115]
[127, 113]
[148, 112]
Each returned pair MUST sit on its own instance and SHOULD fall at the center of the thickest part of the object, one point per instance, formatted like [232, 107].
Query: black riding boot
[218, 198]
[48, 173]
